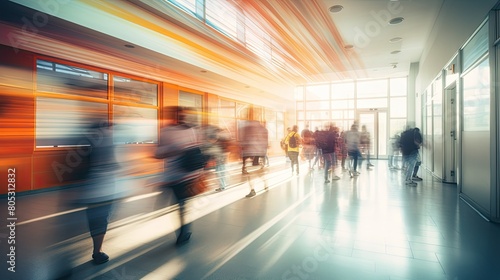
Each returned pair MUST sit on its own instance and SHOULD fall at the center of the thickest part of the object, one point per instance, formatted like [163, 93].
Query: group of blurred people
[326, 146]
[185, 149]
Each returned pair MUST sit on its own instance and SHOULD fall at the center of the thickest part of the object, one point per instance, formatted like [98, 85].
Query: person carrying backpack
[293, 141]
[410, 142]
[184, 162]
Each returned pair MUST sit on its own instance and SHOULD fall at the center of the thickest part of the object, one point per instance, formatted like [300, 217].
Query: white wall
[456, 22]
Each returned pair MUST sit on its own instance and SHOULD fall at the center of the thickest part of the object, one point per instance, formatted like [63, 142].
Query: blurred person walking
[394, 146]
[411, 140]
[319, 152]
[284, 146]
[216, 147]
[365, 142]
[184, 162]
[329, 156]
[308, 146]
[254, 143]
[293, 142]
[99, 191]
[342, 149]
[352, 141]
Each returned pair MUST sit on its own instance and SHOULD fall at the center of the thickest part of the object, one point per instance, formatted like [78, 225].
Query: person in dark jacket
[177, 137]
[410, 142]
[328, 148]
[99, 191]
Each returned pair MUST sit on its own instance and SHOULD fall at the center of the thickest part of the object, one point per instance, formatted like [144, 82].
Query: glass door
[375, 122]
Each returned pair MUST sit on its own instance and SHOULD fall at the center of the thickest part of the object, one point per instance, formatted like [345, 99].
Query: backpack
[321, 139]
[283, 144]
[292, 141]
[192, 159]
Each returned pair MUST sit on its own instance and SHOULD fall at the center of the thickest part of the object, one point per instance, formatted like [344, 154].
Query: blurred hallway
[367, 227]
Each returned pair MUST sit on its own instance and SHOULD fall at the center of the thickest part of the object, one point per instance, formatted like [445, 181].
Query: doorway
[450, 134]
[375, 121]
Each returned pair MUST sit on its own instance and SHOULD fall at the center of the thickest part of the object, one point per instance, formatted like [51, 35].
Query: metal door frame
[374, 151]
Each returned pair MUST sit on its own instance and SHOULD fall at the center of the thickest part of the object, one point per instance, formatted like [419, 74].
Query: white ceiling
[362, 24]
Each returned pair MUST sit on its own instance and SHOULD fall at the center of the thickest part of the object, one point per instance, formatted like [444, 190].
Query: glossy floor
[368, 227]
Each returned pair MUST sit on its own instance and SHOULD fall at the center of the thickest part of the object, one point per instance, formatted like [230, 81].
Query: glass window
[242, 111]
[475, 48]
[299, 93]
[396, 126]
[398, 87]
[301, 115]
[338, 114]
[300, 105]
[227, 108]
[374, 88]
[344, 125]
[343, 104]
[343, 90]
[135, 125]
[317, 105]
[134, 91]
[372, 103]
[318, 92]
[343, 114]
[186, 5]
[270, 115]
[398, 107]
[280, 130]
[66, 79]
[476, 93]
[437, 109]
[280, 116]
[191, 100]
[317, 115]
[258, 114]
[62, 122]
[228, 124]
[224, 16]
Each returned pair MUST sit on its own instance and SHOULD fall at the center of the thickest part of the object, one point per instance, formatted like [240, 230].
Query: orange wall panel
[57, 168]
[21, 174]
[17, 127]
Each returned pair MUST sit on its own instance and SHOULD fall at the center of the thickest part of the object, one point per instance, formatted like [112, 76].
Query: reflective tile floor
[367, 227]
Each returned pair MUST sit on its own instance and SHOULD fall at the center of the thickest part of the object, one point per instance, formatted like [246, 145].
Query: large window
[71, 80]
[372, 88]
[134, 91]
[64, 122]
[70, 98]
[476, 105]
[243, 25]
[341, 102]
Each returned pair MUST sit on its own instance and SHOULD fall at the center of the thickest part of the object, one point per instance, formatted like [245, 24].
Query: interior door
[376, 124]
[450, 135]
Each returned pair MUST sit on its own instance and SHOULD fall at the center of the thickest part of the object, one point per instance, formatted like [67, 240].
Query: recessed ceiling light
[397, 20]
[395, 52]
[395, 39]
[336, 8]
[129, 46]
